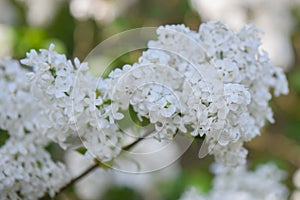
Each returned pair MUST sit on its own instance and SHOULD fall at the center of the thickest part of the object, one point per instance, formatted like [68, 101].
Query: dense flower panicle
[240, 184]
[72, 104]
[213, 82]
[19, 111]
[28, 172]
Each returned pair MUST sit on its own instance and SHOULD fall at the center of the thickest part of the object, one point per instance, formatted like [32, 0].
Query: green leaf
[81, 150]
[295, 80]
[145, 121]
[4, 136]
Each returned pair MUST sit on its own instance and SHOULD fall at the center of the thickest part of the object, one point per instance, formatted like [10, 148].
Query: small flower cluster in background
[240, 184]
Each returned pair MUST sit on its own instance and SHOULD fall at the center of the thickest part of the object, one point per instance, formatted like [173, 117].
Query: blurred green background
[77, 35]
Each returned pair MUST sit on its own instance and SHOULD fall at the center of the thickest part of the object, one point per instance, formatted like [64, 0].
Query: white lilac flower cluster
[213, 82]
[72, 104]
[16, 101]
[240, 184]
[27, 170]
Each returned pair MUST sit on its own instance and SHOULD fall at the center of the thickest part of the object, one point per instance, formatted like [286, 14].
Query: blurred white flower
[41, 12]
[274, 17]
[296, 180]
[192, 194]
[102, 11]
[6, 40]
[94, 185]
[7, 12]
[240, 184]
[7, 17]
[295, 195]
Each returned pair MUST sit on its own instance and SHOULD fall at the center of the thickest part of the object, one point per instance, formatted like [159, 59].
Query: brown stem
[97, 164]
[74, 180]
[87, 171]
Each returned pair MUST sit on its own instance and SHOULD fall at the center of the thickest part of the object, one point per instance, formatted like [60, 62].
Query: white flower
[97, 182]
[192, 194]
[28, 172]
[238, 183]
[296, 179]
[41, 13]
[100, 10]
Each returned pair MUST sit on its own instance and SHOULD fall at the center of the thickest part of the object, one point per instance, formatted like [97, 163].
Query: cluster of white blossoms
[240, 184]
[27, 170]
[17, 104]
[213, 82]
[72, 104]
